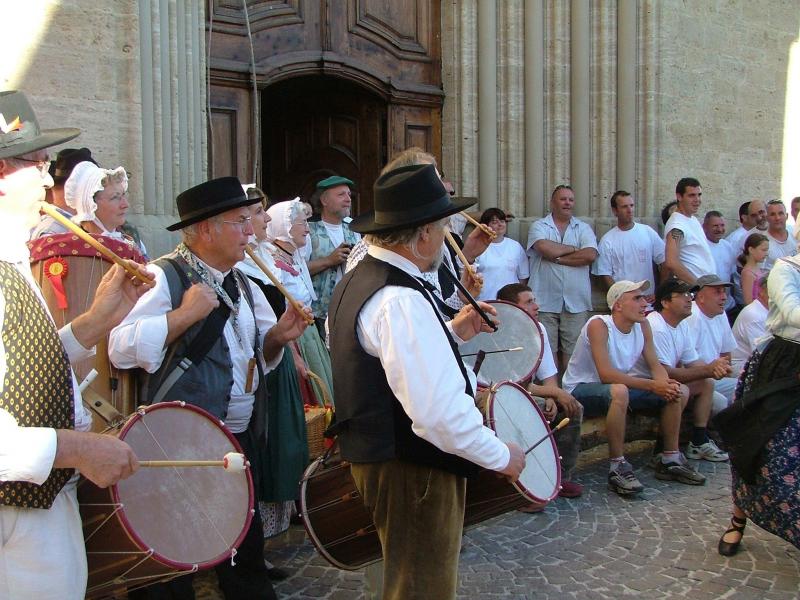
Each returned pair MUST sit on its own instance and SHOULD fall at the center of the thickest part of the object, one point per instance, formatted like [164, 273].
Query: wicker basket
[316, 421]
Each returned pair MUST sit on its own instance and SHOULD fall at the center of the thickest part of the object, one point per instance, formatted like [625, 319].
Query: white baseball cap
[623, 287]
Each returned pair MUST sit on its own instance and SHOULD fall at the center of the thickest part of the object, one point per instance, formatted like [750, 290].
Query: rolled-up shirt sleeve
[26, 453]
[424, 376]
[140, 340]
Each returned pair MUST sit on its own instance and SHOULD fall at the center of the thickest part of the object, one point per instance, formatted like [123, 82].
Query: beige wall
[710, 100]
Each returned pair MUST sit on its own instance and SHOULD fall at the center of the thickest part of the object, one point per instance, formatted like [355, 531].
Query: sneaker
[623, 481]
[682, 473]
[570, 489]
[708, 451]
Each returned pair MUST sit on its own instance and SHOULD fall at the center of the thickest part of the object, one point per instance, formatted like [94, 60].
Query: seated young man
[598, 377]
[674, 342]
[554, 402]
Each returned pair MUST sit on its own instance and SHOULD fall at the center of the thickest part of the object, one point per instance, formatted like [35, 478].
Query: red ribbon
[56, 269]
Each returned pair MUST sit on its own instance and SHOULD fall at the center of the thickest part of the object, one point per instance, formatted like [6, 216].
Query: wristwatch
[557, 260]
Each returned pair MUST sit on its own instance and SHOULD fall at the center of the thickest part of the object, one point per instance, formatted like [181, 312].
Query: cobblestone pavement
[662, 545]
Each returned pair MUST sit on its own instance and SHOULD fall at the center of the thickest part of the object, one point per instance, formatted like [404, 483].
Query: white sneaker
[708, 451]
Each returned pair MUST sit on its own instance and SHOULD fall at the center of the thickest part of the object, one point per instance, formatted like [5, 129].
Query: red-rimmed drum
[512, 353]
[163, 522]
[68, 271]
[341, 528]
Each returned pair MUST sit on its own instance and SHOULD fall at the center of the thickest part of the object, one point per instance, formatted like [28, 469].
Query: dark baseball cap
[672, 286]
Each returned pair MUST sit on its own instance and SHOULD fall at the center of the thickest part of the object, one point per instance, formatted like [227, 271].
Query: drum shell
[85, 269]
[113, 547]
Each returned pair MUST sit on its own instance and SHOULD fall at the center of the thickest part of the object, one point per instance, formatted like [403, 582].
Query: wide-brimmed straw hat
[19, 128]
[408, 197]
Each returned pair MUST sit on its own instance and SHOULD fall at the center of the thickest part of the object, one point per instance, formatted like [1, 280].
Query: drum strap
[211, 330]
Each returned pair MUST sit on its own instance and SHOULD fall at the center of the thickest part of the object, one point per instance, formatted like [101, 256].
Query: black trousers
[247, 580]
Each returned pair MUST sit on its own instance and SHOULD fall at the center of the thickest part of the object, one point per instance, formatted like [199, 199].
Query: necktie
[37, 388]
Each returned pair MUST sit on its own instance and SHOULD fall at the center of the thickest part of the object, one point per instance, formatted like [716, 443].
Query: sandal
[731, 548]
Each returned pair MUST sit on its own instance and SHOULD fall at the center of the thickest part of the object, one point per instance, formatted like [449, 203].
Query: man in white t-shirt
[687, 253]
[598, 376]
[675, 347]
[721, 249]
[554, 402]
[781, 241]
[713, 336]
[737, 237]
[750, 326]
[630, 250]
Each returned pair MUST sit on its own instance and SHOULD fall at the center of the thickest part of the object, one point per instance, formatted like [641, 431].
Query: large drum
[68, 271]
[163, 522]
[341, 528]
[512, 353]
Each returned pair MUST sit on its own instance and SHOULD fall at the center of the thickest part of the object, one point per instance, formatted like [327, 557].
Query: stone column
[626, 95]
[580, 89]
[534, 108]
[487, 103]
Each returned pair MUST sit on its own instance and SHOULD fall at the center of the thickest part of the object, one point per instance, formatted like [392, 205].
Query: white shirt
[749, 327]
[693, 250]
[783, 284]
[547, 366]
[712, 335]
[422, 371]
[623, 351]
[736, 239]
[630, 254]
[778, 249]
[27, 453]
[674, 345]
[502, 263]
[139, 341]
[725, 261]
[558, 287]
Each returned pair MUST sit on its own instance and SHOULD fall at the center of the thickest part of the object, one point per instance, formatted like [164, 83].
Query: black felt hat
[65, 161]
[208, 200]
[19, 128]
[408, 197]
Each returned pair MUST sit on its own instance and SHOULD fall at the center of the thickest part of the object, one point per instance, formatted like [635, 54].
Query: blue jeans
[596, 398]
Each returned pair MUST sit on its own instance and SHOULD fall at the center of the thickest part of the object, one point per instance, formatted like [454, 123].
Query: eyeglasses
[42, 165]
[240, 223]
[689, 295]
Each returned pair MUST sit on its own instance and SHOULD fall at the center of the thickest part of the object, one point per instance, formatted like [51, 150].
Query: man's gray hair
[403, 237]
[189, 232]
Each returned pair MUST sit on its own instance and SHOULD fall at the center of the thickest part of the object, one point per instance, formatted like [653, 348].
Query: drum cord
[186, 485]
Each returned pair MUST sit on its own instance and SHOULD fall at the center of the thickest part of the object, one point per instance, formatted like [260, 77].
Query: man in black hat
[406, 417]
[206, 335]
[44, 427]
[60, 170]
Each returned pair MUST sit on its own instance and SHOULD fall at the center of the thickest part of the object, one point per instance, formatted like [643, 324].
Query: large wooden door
[318, 126]
[344, 84]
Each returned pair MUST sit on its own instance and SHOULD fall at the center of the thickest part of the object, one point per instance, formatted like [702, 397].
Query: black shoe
[277, 574]
[731, 548]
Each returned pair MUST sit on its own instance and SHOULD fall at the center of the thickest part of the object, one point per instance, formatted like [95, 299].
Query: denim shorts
[596, 398]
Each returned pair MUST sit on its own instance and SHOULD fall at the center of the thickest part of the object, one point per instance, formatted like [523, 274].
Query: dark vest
[37, 389]
[207, 384]
[371, 423]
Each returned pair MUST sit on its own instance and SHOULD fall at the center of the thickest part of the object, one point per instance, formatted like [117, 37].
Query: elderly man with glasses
[201, 300]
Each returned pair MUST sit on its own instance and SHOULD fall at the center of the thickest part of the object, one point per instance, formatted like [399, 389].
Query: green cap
[333, 181]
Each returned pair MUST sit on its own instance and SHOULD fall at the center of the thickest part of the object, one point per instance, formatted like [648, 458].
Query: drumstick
[295, 304]
[561, 425]
[469, 298]
[232, 461]
[517, 349]
[482, 226]
[454, 245]
[51, 211]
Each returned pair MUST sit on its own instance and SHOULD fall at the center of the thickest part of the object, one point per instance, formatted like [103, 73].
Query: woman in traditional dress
[99, 198]
[761, 429]
[287, 233]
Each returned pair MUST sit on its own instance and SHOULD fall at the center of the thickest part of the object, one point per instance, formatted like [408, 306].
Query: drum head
[517, 329]
[514, 416]
[189, 515]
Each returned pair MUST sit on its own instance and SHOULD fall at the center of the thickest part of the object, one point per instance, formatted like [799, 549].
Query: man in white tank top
[598, 377]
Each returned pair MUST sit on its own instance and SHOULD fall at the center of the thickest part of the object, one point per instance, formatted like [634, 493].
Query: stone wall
[710, 100]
